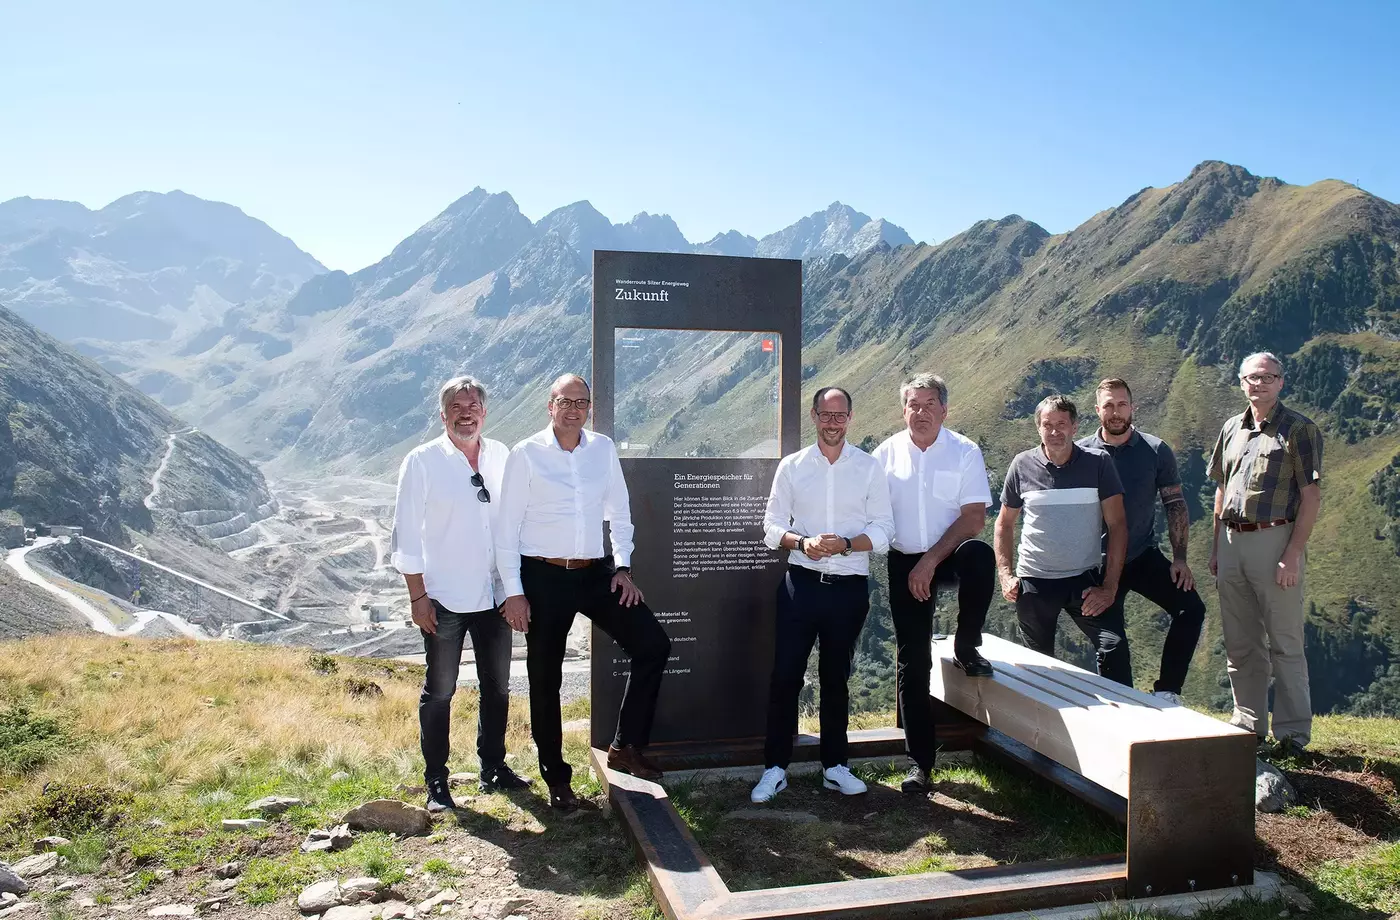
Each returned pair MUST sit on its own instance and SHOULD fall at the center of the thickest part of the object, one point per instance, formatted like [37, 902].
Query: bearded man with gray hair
[1267, 466]
[444, 547]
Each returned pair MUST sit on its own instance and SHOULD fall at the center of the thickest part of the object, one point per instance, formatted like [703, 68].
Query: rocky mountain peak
[839, 228]
[582, 226]
[652, 233]
[729, 243]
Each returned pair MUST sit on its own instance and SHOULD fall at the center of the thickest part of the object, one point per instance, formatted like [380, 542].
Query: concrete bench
[1183, 782]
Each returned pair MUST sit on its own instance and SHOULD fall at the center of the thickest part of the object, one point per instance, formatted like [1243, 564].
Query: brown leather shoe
[629, 759]
[562, 798]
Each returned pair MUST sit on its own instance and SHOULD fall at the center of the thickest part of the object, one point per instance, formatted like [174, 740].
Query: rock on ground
[171, 910]
[356, 912]
[272, 805]
[354, 890]
[445, 896]
[319, 897]
[11, 882]
[498, 908]
[1272, 791]
[229, 870]
[389, 816]
[243, 824]
[45, 844]
[35, 866]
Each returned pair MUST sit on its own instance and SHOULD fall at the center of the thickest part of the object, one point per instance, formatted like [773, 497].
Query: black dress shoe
[439, 799]
[502, 779]
[562, 798]
[916, 783]
[973, 664]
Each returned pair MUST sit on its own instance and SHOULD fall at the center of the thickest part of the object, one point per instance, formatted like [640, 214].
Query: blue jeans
[491, 643]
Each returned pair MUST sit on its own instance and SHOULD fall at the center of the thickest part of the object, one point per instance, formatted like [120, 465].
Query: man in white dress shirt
[444, 548]
[560, 486]
[830, 508]
[939, 492]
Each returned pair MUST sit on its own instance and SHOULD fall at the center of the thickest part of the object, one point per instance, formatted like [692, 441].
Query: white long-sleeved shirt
[929, 487]
[442, 531]
[811, 496]
[554, 502]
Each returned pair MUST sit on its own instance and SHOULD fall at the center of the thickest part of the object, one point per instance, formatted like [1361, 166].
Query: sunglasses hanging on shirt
[482, 495]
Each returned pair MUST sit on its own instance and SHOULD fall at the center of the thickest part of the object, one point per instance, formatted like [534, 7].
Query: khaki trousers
[1263, 631]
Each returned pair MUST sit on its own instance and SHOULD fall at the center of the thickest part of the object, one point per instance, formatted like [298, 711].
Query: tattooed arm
[1178, 532]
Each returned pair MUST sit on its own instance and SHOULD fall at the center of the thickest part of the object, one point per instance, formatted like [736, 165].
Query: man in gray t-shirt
[1070, 497]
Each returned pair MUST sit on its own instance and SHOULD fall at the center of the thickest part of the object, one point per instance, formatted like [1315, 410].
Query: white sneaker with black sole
[773, 781]
[842, 780]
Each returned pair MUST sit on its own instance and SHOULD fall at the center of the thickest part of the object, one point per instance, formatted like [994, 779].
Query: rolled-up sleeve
[409, 502]
[617, 510]
[515, 497]
[777, 517]
[880, 528]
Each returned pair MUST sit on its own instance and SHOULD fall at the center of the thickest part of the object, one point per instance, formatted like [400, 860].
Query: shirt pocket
[1272, 465]
[946, 486]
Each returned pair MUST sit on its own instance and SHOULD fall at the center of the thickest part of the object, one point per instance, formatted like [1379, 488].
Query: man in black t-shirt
[1147, 468]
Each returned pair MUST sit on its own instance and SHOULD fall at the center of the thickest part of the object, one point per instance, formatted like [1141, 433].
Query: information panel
[697, 372]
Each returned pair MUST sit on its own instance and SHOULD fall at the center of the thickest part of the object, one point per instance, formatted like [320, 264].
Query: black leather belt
[826, 578]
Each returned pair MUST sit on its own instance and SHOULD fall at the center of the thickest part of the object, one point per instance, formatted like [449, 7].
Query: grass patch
[1371, 882]
[85, 854]
[266, 880]
[980, 815]
[28, 740]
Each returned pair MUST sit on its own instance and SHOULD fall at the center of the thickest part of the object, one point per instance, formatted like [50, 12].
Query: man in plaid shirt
[1267, 466]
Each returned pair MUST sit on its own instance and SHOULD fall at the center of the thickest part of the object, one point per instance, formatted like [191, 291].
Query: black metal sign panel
[697, 371]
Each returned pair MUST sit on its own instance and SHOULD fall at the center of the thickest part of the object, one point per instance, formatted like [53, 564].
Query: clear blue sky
[347, 125]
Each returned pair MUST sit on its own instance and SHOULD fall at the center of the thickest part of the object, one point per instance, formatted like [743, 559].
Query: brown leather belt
[566, 563]
[1262, 525]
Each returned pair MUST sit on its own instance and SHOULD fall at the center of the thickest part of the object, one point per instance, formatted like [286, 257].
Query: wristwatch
[623, 569]
[847, 550]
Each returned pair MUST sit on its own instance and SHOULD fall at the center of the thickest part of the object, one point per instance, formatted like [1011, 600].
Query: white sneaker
[842, 780]
[1171, 699]
[773, 781]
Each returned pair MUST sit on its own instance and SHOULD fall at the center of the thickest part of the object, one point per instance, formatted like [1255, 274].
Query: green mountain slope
[1169, 291]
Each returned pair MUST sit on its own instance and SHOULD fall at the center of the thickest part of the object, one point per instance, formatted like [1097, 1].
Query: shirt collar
[909, 441]
[553, 441]
[1096, 439]
[1074, 451]
[846, 448]
[1275, 414]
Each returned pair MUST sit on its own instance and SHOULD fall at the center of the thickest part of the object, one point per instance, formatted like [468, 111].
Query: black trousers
[809, 610]
[555, 595]
[491, 645]
[1150, 575]
[972, 567]
[1038, 609]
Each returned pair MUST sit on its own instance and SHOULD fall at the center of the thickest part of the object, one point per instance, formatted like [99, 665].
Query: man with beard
[444, 548]
[1147, 468]
[1069, 495]
[1267, 466]
[830, 508]
[560, 486]
[938, 490]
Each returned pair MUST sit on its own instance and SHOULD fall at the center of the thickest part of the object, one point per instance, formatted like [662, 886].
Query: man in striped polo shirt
[1071, 497]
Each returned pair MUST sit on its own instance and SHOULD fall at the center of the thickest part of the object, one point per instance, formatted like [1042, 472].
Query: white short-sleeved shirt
[929, 487]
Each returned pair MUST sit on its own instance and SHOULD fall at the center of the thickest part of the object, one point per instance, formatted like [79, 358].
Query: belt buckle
[826, 578]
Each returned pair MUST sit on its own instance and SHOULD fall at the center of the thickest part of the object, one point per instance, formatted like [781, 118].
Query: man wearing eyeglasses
[939, 493]
[829, 507]
[444, 547]
[560, 486]
[1267, 466]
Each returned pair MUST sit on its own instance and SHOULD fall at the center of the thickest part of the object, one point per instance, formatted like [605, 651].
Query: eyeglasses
[827, 418]
[482, 495]
[1261, 379]
[564, 402]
